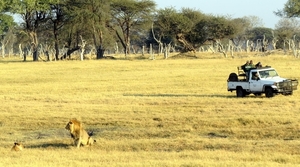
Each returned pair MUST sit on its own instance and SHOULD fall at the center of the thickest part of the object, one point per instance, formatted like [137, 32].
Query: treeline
[58, 28]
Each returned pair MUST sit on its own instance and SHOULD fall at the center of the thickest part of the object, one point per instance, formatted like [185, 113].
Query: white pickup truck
[260, 80]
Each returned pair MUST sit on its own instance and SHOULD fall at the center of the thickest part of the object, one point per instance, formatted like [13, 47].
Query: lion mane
[79, 135]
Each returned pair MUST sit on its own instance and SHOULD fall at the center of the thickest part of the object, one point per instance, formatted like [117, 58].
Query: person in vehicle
[255, 76]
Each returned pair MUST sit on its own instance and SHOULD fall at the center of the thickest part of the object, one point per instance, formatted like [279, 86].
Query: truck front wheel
[269, 92]
[240, 92]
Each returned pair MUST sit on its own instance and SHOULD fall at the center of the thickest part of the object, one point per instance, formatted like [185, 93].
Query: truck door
[255, 82]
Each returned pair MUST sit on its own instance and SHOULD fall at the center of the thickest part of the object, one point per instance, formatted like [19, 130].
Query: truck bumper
[286, 87]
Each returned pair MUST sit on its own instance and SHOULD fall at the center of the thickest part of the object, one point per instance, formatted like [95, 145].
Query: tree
[261, 36]
[33, 12]
[177, 26]
[6, 26]
[57, 18]
[253, 21]
[185, 34]
[258, 33]
[98, 13]
[244, 25]
[127, 15]
[285, 29]
[212, 28]
[291, 9]
[192, 28]
[69, 24]
[164, 25]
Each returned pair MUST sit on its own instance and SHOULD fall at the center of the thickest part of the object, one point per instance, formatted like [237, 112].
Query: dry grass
[174, 112]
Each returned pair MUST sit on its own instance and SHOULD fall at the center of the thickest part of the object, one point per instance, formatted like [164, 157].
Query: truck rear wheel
[240, 92]
[269, 92]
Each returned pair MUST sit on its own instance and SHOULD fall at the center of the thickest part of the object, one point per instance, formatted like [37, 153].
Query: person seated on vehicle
[251, 64]
[258, 65]
[255, 76]
[246, 67]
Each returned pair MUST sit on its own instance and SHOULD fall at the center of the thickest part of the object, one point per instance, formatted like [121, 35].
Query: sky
[264, 9]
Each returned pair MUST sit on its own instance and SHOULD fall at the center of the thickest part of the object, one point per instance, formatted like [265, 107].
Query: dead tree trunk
[274, 41]
[167, 50]
[34, 45]
[3, 50]
[265, 44]
[20, 50]
[116, 48]
[143, 50]
[294, 47]
[83, 43]
[151, 52]
[220, 48]
[160, 44]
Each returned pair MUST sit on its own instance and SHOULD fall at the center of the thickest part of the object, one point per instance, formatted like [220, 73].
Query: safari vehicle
[260, 80]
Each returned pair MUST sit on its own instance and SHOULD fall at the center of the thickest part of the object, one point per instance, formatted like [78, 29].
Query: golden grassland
[174, 112]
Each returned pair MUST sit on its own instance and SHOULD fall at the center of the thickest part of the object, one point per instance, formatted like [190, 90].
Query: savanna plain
[173, 112]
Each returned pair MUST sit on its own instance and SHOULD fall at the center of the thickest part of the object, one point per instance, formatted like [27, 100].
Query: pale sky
[264, 9]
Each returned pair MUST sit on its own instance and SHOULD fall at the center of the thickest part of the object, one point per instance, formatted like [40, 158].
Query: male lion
[17, 147]
[80, 136]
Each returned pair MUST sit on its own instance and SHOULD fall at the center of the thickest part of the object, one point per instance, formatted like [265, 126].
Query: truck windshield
[268, 73]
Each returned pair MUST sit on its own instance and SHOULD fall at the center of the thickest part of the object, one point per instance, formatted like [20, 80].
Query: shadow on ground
[180, 95]
[50, 145]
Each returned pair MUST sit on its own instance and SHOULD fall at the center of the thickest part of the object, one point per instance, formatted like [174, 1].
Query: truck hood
[273, 79]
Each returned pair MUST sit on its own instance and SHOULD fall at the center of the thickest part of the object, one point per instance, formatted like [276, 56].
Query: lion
[79, 135]
[17, 147]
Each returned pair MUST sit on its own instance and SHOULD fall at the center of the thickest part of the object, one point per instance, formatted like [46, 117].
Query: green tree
[4, 6]
[6, 21]
[6, 25]
[98, 12]
[213, 28]
[57, 18]
[291, 9]
[192, 28]
[285, 29]
[165, 24]
[244, 25]
[262, 36]
[177, 26]
[128, 15]
[252, 22]
[33, 13]
[259, 33]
